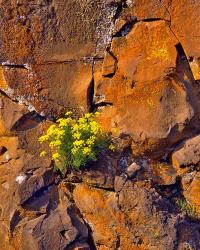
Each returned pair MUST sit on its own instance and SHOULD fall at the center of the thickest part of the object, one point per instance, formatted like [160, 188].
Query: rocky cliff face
[136, 61]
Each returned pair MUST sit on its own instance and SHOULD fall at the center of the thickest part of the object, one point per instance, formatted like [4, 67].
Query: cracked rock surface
[137, 62]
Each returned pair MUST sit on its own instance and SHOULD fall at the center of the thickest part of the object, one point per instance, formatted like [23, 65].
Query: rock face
[135, 61]
[51, 37]
[187, 154]
[156, 103]
[53, 232]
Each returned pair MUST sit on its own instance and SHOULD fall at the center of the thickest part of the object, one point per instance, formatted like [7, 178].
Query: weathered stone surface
[133, 169]
[188, 37]
[127, 218]
[99, 174]
[187, 153]
[109, 65]
[56, 231]
[152, 9]
[70, 80]
[182, 16]
[119, 182]
[163, 174]
[39, 33]
[40, 179]
[10, 113]
[142, 56]
[191, 189]
[149, 96]
[50, 53]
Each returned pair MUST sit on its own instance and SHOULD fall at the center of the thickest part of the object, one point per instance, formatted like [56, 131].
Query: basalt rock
[128, 218]
[54, 42]
[150, 92]
[56, 231]
[191, 188]
[187, 154]
[135, 61]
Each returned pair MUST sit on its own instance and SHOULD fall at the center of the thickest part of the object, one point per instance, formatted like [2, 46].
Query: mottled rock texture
[138, 63]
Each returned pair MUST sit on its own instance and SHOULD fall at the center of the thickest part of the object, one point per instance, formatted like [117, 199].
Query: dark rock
[139, 216]
[55, 231]
[43, 202]
[119, 182]
[187, 154]
[40, 179]
[2, 150]
[98, 174]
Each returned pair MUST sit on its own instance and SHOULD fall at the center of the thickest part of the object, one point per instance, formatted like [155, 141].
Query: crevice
[92, 106]
[153, 19]
[93, 186]
[90, 237]
[85, 59]
[181, 52]
[32, 111]
[102, 104]
[3, 149]
[121, 5]
[40, 192]
[126, 28]
[16, 218]
[3, 93]
[184, 69]
[102, 188]
[111, 74]
[186, 77]
[112, 54]
[191, 59]
[118, 242]
[90, 96]
[28, 121]
[17, 66]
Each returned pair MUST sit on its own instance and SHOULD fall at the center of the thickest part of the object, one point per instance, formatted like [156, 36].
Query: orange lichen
[3, 83]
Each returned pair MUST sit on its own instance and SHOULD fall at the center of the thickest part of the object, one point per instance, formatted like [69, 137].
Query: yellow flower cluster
[74, 142]
[85, 132]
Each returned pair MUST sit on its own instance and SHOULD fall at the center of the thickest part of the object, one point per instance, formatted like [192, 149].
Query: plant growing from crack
[75, 142]
[185, 207]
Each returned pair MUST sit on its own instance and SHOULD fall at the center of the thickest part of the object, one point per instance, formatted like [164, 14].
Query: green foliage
[75, 142]
[185, 207]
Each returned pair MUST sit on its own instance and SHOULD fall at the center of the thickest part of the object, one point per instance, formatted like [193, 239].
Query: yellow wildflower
[91, 140]
[74, 150]
[76, 135]
[65, 122]
[55, 156]
[51, 130]
[68, 113]
[86, 151]
[112, 147]
[75, 127]
[78, 143]
[81, 120]
[43, 138]
[42, 154]
[94, 127]
[88, 115]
